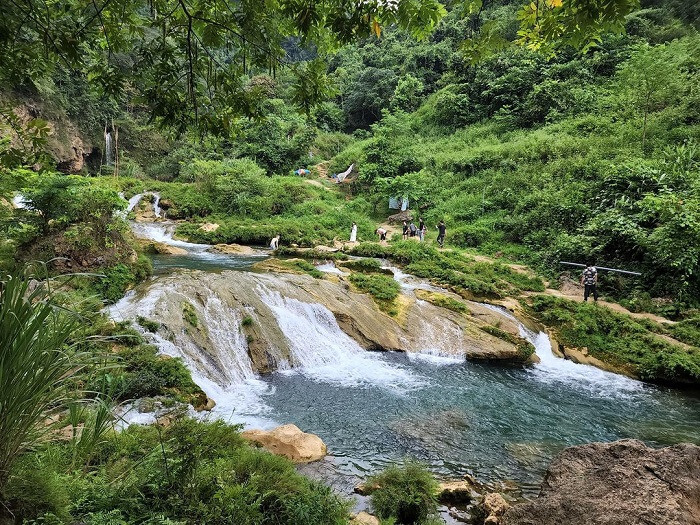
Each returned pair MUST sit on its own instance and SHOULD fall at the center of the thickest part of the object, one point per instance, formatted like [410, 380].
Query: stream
[494, 422]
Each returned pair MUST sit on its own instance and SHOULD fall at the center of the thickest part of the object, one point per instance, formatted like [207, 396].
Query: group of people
[589, 277]
[410, 230]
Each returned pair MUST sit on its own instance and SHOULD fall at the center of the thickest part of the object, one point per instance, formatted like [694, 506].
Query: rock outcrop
[290, 442]
[364, 518]
[495, 506]
[233, 249]
[620, 483]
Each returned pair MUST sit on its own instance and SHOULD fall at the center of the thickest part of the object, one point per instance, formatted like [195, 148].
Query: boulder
[495, 507]
[210, 227]
[290, 442]
[455, 492]
[364, 518]
[232, 249]
[207, 406]
[167, 249]
[619, 483]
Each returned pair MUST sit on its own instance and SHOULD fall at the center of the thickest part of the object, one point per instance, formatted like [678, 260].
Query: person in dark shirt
[412, 228]
[421, 224]
[441, 233]
[405, 230]
[589, 280]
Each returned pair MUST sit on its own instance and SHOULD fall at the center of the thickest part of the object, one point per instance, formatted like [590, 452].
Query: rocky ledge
[620, 483]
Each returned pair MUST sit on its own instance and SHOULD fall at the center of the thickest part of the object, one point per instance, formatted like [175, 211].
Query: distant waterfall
[109, 149]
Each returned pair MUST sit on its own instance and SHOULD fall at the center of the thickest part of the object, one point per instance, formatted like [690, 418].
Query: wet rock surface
[619, 483]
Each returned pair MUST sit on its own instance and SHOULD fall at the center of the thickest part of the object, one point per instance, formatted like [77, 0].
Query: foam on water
[553, 369]
[322, 351]
[329, 268]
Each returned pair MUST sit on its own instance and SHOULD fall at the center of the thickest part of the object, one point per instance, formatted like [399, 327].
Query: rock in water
[620, 483]
[290, 442]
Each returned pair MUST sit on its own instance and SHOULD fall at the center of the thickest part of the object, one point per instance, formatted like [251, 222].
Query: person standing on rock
[441, 233]
[589, 280]
[353, 233]
[275, 242]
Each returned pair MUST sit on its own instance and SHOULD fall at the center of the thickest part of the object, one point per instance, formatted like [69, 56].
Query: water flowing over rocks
[619, 483]
[289, 441]
[216, 336]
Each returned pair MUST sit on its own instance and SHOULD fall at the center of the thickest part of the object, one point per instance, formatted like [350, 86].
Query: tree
[653, 78]
[407, 95]
[188, 58]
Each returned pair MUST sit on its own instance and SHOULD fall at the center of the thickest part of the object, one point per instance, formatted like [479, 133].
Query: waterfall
[156, 204]
[322, 351]
[225, 371]
[109, 157]
[553, 369]
[19, 202]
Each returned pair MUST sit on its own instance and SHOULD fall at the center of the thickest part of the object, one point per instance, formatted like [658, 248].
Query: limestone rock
[364, 518]
[619, 483]
[208, 405]
[455, 492]
[365, 489]
[495, 507]
[290, 442]
[232, 249]
[210, 227]
[167, 249]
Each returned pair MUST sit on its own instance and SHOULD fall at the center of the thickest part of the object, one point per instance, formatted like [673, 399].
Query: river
[494, 422]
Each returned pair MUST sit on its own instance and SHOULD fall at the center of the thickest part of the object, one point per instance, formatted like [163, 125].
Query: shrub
[406, 493]
[383, 288]
[148, 324]
[189, 314]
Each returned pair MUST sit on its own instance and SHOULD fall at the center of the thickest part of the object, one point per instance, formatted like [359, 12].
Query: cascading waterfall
[322, 351]
[555, 369]
[226, 376]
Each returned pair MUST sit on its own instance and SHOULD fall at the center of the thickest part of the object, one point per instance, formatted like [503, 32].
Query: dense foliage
[406, 493]
[188, 472]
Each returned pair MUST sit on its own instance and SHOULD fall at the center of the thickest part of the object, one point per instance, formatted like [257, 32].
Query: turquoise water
[494, 422]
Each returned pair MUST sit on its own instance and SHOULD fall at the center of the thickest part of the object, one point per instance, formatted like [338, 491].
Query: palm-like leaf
[37, 362]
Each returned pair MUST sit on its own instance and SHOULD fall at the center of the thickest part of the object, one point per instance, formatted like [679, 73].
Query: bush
[406, 493]
[383, 288]
[189, 472]
[148, 374]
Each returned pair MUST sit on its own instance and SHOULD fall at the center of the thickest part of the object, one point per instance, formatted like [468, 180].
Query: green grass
[189, 314]
[383, 289]
[453, 269]
[405, 493]
[618, 339]
[525, 348]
